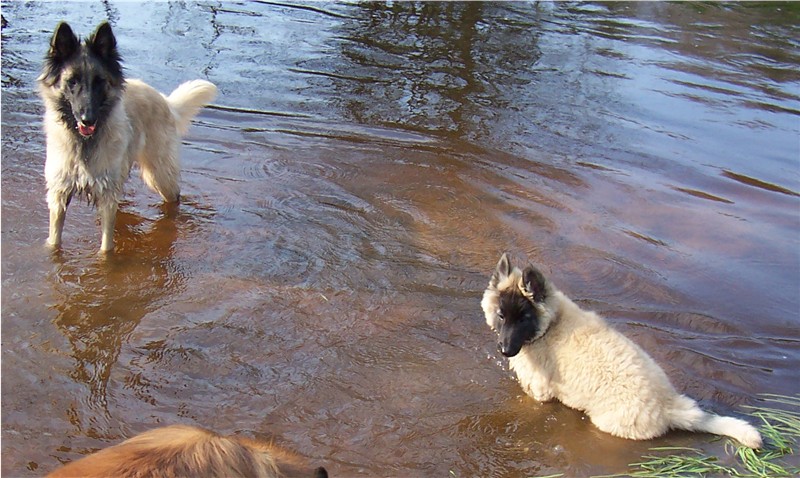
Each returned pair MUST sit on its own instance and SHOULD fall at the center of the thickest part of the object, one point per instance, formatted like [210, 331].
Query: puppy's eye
[500, 317]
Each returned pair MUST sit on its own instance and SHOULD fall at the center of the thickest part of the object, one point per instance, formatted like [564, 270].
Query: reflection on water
[347, 198]
[97, 316]
[433, 66]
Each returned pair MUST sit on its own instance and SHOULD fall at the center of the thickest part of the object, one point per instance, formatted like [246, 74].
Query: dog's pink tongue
[85, 130]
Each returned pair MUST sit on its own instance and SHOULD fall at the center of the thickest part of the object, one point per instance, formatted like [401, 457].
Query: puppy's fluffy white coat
[577, 358]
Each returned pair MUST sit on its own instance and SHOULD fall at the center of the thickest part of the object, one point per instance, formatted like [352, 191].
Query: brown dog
[185, 451]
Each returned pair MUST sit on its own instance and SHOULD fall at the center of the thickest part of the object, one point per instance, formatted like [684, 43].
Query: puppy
[560, 351]
[185, 451]
[98, 124]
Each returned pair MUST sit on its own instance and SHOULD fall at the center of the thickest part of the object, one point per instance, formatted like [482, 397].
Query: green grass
[780, 429]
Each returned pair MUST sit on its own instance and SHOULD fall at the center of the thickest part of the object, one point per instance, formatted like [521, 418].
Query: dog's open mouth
[85, 130]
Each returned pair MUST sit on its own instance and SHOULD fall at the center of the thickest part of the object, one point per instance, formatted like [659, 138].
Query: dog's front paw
[540, 392]
[107, 244]
[544, 396]
[52, 244]
[105, 252]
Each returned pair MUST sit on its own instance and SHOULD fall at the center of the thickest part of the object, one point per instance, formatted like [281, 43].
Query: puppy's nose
[507, 349]
[502, 349]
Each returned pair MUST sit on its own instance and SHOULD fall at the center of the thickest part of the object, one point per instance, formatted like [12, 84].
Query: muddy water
[347, 197]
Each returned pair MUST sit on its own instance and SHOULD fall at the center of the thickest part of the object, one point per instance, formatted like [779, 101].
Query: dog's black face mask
[88, 77]
[514, 303]
[519, 322]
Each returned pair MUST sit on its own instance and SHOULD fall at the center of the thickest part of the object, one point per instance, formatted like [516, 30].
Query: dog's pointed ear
[104, 45]
[501, 271]
[534, 283]
[64, 43]
[103, 42]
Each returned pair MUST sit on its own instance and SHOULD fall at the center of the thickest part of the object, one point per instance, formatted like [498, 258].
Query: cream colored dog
[560, 351]
[98, 124]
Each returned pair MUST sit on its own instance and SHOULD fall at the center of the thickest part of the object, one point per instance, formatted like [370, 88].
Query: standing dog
[560, 351]
[98, 124]
[184, 451]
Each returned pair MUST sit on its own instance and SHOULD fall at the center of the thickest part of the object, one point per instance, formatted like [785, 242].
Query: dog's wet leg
[57, 215]
[57, 202]
[108, 216]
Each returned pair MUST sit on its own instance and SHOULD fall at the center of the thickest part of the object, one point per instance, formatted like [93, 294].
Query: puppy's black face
[515, 306]
[86, 79]
[518, 322]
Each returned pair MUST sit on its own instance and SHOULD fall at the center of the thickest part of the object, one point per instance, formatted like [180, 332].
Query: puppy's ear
[502, 270]
[534, 284]
[64, 43]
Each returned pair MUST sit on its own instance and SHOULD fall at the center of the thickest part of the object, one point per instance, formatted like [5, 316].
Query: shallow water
[347, 197]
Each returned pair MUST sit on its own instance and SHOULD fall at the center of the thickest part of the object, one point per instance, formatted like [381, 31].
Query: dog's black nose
[88, 119]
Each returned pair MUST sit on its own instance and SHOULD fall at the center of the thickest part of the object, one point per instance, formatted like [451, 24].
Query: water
[347, 197]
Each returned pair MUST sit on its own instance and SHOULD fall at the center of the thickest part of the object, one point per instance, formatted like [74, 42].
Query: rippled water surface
[347, 196]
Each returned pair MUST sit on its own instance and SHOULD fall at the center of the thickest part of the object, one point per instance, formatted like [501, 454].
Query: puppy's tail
[687, 415]
[187, 99]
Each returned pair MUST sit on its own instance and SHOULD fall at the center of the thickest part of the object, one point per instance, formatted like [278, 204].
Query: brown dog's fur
[186, 451]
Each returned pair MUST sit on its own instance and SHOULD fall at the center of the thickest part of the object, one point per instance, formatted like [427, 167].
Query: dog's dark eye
[72, 81]
[500, 317]
[528, 317]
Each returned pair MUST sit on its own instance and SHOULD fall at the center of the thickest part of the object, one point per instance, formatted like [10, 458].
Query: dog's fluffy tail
[687, 415]
[187, 99]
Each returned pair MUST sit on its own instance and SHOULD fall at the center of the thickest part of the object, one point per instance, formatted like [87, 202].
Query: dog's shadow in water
[104, 297]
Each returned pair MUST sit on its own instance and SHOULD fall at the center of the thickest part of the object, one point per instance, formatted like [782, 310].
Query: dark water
[346, 199]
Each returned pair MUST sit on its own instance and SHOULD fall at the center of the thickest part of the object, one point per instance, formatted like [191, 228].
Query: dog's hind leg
[161, 171]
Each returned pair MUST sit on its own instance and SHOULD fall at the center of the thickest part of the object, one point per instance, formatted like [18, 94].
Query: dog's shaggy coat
[560, 351]
[98, 124]
[184, 451]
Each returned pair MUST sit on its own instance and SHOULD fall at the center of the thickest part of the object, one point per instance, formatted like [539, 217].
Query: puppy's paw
[540, 392]
[544, 397]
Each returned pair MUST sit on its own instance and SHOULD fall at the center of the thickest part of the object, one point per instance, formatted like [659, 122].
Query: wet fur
[98, 124]
[560, 351]
[184, 451]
